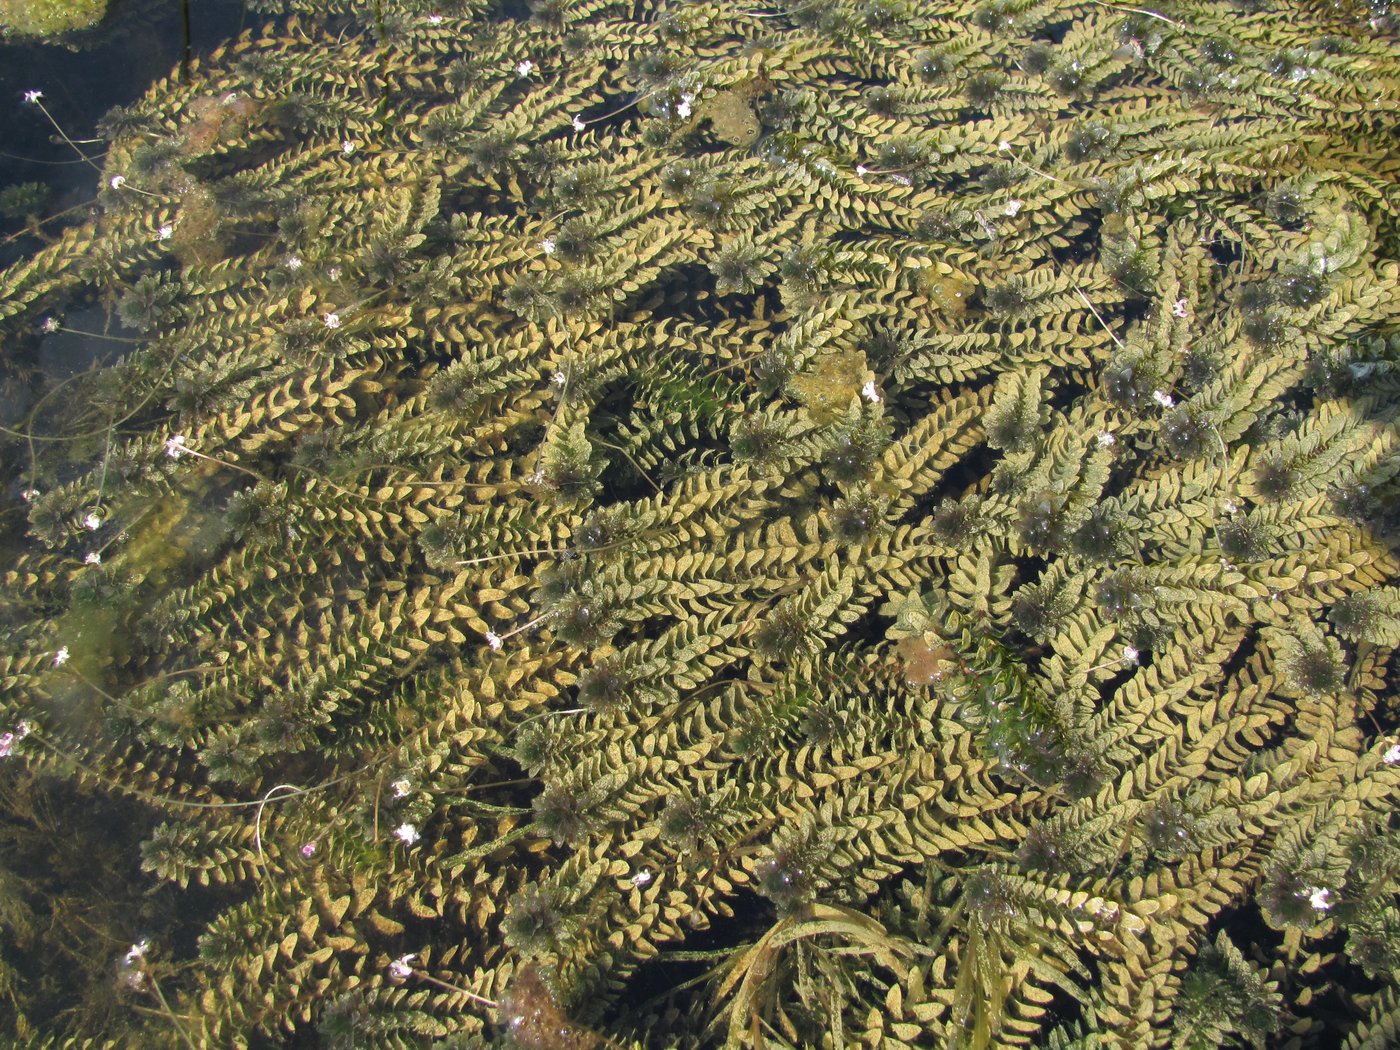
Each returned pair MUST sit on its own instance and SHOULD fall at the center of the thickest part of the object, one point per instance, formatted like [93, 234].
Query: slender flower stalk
[1005, 147]
[402, 968]
[36, 99]
[496, 641]
[51, 325]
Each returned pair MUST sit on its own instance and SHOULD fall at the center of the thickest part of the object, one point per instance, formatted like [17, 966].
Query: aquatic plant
[821, 523]
[46, 18]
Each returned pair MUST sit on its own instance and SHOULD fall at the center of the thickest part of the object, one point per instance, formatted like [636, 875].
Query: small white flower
[33, 97]
[1105, 439]
[61, 657]
[547, 245]
[1012, 208]
[93, 558]
[1392, 755]
[230, 98]
[165, 232]
[136, 952]
[1163, 398]
[51, 325]
[525, 67]
[579, 125]
[1229, 506]
[1320, 898]
[1003, 146]
[347, 147]
[334, 273]
[558, 379]
[331, 321]
[494, 641]
[401, 969]
[435, 20]
[1130, 655]
[869, 392]
[175, 447]
[117, 182]
[641, 878]
[406, 833]
[683, 110]
[293, 263]
[401, 787]
[29, 495]
[862, 170]
[9, 740]
[1181, 308]
[93, 521]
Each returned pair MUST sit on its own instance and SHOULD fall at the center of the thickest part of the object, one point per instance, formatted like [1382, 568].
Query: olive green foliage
[821, 523]
[49, 17]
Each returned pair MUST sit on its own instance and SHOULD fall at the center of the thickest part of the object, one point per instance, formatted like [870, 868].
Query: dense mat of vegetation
[813, 523]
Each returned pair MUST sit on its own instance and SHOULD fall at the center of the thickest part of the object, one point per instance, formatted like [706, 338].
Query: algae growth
[805, 524]
[48, 18]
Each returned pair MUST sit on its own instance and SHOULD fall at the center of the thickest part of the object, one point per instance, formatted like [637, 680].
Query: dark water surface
[113, 64]
[81, 78]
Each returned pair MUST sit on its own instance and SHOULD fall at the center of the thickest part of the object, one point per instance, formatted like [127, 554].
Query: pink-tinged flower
[401, 969]
[10, 739]
[407, 834]
[175, 447]
[61, 657]
[308, 850]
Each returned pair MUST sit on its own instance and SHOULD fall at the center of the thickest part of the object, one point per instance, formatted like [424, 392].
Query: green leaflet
[892, 502]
